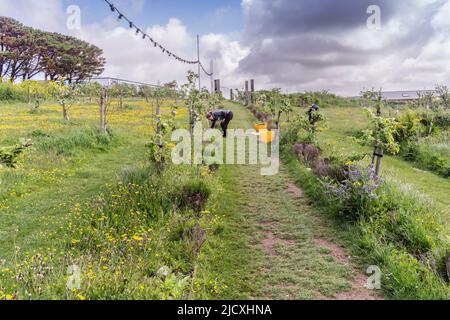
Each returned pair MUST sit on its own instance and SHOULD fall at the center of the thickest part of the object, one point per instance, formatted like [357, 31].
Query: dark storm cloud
[287, 17]
[300, 41]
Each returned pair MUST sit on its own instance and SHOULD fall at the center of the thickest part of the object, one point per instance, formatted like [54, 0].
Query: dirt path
[294, 254]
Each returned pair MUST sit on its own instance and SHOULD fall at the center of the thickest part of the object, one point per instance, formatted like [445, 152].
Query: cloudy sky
[296, 45]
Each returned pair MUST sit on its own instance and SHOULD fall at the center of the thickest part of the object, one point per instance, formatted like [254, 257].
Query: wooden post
[121, 97]
[231, 95]
[29, 93]
[198, 63]
[217, 86]
[379, 159]
[252, 90]
[158, 113]
[447, 264]
[103, 102]
[212, 75]
[246, 93]
[374, 156]
[90, 91]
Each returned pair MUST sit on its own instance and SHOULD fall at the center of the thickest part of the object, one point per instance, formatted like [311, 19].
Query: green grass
[267, 249]
[345, 123]
[66, 165]
[402, 230]
[96, 202]
[431, 153]
[387, 241]
[50, 205]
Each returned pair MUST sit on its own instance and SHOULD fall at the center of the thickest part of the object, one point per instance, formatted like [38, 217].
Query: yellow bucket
[261, 126]
[267, 136]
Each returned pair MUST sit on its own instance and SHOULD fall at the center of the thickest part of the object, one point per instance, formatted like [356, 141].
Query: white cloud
[227, 54]
[411, 51]
[129, 56]
[48, 14]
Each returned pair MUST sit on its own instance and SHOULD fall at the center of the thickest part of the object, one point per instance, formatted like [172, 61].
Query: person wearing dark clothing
[314, 108]
[225, 116]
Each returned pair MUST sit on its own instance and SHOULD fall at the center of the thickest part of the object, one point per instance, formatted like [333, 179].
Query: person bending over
[225, 116]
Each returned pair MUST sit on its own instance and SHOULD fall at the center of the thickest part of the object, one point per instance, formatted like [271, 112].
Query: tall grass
[399, 230]
[431, 153]
[71, 140]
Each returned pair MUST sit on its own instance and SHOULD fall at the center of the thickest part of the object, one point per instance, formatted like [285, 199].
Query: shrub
[408, 127]
[9, 155]
[11, 92]
[307, 152]
[299, 130]
[442, 120]
[195, 195]
[355, 194]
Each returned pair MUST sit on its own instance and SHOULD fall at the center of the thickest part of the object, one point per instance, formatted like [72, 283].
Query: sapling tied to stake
[66, 95]
[275, 104]
[375, 99]
[160, 145]
[194, 102]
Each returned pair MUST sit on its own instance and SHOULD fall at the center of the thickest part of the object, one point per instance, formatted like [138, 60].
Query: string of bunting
[204, 70]
[140, 32]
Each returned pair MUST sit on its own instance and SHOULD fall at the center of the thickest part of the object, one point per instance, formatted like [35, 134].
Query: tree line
[26, 52]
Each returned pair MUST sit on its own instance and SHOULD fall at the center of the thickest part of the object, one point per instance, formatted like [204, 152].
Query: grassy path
[276, 246]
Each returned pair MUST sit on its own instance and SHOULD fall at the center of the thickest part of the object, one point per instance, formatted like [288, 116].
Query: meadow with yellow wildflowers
[85, 216]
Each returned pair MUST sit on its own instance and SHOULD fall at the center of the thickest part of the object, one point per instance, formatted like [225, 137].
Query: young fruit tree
[37, 91]
[194, 100]
[375, 99]
[444, 96]
[66, 95]
[382, 136]
[160, 145]
[276, 104]
[104, 104]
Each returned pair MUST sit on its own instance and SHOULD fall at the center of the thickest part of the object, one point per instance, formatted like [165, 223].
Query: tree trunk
[103, 126]
[37, 106]
[378, 166]
[66, 113]
[29, 93]
[158, 113]
[447, 264]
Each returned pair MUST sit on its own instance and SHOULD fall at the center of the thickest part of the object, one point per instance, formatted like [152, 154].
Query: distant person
[225, 116]
[314, 108]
